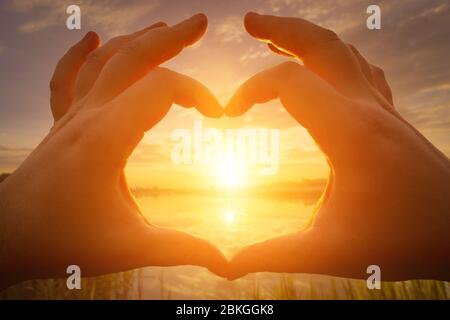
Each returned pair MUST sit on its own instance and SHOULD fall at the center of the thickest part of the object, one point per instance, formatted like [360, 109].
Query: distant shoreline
[308, 191]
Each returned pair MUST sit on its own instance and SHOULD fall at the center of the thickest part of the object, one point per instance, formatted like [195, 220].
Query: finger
[62, 84]
[145, 103]
[303, 94]
[290, 253]
[165, 247]
[135, 59]
[365, 66]
[188, 92]
[163, 87]
[279, 51]
[96, 60]
[320, 49]
[382, 84]
[374, 75]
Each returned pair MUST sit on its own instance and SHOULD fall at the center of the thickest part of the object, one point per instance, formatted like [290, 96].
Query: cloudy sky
[412, 47]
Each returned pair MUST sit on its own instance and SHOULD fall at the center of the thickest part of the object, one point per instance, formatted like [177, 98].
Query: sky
[412, 47]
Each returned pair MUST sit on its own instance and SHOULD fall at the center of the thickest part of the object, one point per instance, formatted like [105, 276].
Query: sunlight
[230, 173]
[229, 217]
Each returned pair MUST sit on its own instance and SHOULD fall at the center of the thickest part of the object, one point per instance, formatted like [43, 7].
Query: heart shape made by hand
[114, 93]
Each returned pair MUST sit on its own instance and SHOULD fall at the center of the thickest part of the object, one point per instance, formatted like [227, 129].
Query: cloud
[440, 87]
[11, 157]
[230, 29]
[430, 118]
[277, 5]
[338, 15]
[427, 12]
[255, 53]
[6, 148]
[112, 15]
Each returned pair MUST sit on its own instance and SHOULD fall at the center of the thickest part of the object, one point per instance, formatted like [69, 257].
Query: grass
[115, 286]
[338, 288]
[130, 285]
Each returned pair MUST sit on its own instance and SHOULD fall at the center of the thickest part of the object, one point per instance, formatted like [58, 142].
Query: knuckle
[172, 40]
[352, 48]
[131, 49]
[173, 33]
[329, 35]
[119, 40]
[164, 40]
[326, 36]
[378, 72]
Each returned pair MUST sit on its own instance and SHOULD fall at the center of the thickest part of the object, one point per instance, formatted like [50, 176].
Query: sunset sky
[412, 47]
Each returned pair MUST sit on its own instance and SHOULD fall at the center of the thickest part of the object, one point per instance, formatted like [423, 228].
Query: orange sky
[412, 47]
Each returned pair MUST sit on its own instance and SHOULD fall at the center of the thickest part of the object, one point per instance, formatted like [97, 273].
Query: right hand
[387, 200]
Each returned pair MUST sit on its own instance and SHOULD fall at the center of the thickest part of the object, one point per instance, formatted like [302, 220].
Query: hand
[69, 203]
[387, 200]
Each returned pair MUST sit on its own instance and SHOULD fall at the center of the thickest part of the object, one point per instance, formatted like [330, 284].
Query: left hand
[69, 203]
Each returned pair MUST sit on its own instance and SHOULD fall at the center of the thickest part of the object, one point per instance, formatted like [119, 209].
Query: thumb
[296, 252]
[305, 96]
[173, 248]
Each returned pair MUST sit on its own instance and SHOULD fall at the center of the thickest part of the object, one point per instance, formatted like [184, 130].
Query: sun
[230, 173]
[229, 217]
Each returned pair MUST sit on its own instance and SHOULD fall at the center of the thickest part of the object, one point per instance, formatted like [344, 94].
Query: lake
[227, 222]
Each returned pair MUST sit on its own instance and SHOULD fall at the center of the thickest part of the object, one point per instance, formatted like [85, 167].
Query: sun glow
[230, 173]
[229, 217]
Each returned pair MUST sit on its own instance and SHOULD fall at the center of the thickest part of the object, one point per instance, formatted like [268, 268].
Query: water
[229, 223]
[253, 219]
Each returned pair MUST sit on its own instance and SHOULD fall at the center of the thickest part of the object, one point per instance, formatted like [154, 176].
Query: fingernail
[252, 13]
[160, 24]
[198, 16]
